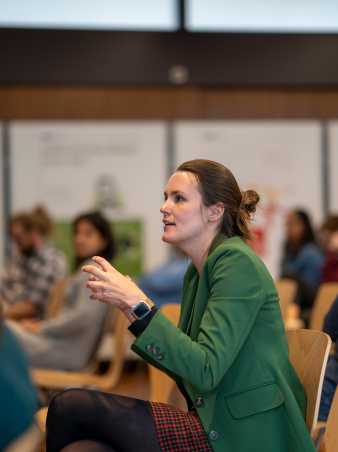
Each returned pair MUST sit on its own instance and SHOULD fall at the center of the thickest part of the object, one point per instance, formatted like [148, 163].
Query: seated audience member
[329, 236]
[68, 341]
[17, 394]
[302, 259]
[228, 356]
[331, 373]
[165, 283]
[33, 269]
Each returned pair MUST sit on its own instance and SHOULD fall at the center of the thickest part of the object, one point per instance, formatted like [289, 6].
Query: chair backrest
[324, 299]
[56, 299]
[330, 440]
[111, 377]
[286, 289]
[163, 388]
[308, 353]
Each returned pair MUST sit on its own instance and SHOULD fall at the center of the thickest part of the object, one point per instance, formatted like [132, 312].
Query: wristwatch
[140, 310]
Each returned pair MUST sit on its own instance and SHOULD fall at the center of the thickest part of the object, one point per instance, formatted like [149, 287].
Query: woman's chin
[166, 238]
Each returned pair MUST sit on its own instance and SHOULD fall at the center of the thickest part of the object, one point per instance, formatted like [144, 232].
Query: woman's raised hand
[110, 286]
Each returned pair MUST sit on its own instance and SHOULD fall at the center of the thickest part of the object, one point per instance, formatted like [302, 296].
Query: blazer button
[150, 348]
[159, 356]
[213, 435]
[199, 402]
[156, 350]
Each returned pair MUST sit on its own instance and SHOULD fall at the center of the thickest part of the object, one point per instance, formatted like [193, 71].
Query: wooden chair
[40, 419]
[324, 299]
[163, 388]
[308, 352]
[56, 299]
[29, 441]
[286, 289]
[55, 379]
[329, 441]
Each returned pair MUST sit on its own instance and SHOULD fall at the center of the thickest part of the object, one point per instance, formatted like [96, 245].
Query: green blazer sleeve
[232, 303]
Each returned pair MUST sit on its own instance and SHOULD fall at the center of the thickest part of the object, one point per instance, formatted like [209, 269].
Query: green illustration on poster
[128, 233]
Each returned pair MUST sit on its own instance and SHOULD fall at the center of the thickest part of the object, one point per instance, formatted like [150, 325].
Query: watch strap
[138, 326]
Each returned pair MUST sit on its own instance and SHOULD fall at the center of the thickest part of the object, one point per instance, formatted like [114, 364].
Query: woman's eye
[179, 198]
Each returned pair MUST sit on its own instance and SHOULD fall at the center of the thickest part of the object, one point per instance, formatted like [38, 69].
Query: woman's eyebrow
[174, 192]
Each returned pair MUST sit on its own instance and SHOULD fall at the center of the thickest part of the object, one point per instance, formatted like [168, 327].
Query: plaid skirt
[177, 430]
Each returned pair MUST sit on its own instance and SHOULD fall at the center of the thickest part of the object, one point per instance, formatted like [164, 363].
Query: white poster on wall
[281, 160]
[333, 166]
[72, 167]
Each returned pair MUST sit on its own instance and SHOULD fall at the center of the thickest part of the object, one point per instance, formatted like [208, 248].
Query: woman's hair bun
[250, 199]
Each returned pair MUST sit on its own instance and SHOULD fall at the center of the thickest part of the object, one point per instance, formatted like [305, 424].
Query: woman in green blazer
[229, 354]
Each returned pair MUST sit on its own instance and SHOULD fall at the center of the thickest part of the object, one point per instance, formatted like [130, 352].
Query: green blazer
[230, 353]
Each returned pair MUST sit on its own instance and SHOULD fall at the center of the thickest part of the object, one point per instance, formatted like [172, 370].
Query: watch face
[141, 309]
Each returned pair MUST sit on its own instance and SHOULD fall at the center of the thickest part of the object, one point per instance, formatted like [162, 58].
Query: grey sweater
[68, 341]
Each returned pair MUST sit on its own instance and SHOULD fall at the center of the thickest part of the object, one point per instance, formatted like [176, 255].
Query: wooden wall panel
[164, 103]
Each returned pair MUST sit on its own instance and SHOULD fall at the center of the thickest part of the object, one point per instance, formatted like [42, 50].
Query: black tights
[81, 420]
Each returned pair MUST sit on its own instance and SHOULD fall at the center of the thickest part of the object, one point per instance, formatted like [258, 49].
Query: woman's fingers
[96, 272]
[97, 285]
[104, 264]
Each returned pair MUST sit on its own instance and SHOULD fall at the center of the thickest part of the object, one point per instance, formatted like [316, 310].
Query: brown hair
[24, 219]
[331, 223]
[218, 184]
[38, 219]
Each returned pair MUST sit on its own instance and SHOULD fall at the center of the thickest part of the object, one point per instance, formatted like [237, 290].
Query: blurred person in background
[329, 240]
[34, 267]
[331, 373]
[164, 284]
[17, 394]
[302, 259]
[68, 341]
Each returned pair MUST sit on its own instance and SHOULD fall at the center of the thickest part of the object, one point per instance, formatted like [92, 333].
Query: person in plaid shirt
[33, 269]
[228, 354]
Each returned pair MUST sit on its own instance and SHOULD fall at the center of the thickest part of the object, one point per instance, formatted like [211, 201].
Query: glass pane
[296, 16]
[89, 14]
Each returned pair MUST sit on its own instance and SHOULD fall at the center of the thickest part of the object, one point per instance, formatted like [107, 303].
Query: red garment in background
[330, 268]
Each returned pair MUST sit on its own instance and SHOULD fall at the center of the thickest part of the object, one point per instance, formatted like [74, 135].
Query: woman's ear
[215, 212]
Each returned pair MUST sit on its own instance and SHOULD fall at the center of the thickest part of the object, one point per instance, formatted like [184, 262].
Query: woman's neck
[198, 252]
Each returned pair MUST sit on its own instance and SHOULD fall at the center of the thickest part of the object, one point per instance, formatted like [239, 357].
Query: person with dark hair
[67, 341]
[302, 259]
[84, 226]
[228, 354]
[34, 267]
[17, 394]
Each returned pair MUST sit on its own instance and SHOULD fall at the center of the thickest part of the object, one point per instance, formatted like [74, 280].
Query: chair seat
[58, 379]
[29, 441]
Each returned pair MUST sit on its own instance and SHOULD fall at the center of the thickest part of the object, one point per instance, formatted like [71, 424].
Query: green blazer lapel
[200, 302]
[195, 295]
[202, 294]
[189, 292]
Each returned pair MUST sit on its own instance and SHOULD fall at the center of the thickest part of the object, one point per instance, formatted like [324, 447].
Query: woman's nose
[164, 208]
